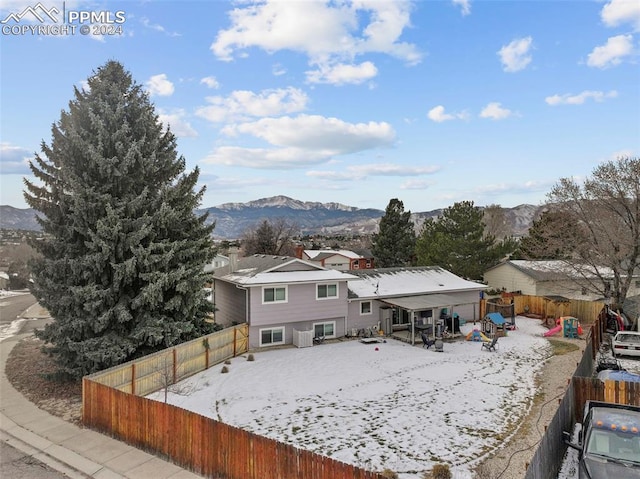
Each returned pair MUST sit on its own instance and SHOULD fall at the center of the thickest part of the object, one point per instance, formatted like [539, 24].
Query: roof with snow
[319, 254]
[550, 270]
[269, 269]
[390, 282]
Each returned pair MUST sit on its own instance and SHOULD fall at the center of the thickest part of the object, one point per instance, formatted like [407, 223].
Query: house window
[326, 291]
[368, 263]
[274, 295]
[365, 307]
[271, 337]
[356, 265]
[328, 330]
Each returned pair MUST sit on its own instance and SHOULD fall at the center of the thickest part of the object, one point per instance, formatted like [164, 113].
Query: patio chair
[491, 345]
[427, 343]
[318, 340]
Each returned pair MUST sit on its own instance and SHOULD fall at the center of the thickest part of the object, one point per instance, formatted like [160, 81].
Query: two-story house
[279, 295]
[342, 259]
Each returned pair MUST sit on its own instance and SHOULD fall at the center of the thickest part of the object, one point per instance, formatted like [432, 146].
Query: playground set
[569, 326]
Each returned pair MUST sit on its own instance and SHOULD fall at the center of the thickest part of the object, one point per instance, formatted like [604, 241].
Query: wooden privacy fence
[202, 444]
[157, 371]
[583, 387]
[549, 307]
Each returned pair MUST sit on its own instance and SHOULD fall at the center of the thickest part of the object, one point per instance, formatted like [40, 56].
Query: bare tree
[495, 222]
[606, 208]
[270, 237]
[167, 378]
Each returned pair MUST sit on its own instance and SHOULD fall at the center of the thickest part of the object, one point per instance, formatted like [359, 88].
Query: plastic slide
[553, 331]
[476, 335]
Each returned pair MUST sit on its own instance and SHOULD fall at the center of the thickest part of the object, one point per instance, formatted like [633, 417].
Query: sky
[355, 102]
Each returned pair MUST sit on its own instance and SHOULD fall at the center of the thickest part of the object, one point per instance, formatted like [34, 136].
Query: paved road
[16, 464]
[11, 307]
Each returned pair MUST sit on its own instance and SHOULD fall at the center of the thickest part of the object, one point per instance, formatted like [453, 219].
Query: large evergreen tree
[456, 242]
[121, 270]
[395, 241]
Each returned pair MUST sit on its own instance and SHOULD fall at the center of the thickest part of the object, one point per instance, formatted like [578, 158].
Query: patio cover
[425, 301]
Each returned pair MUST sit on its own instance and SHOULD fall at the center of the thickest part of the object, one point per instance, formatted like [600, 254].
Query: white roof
[287, 277]
[409, 281]
[312, 253]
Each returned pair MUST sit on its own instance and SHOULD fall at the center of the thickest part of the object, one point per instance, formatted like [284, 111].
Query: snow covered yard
[385, 405]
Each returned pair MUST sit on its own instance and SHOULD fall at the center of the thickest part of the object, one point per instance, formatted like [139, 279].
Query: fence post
[175, 362]
[235, 334]
[133, 379]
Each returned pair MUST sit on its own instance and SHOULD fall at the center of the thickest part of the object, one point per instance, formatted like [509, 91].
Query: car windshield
[616, 445]
[627, 338]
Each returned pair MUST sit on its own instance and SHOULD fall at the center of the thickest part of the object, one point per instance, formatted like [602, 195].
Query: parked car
[626, 343]
[609, 441]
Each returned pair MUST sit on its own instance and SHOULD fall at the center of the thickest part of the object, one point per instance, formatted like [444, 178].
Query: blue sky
[355, 102]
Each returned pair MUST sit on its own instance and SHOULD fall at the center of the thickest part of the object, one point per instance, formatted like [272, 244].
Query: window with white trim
[328, 329]
[271, 337]
[275, 294]
[327, 291]
[365, 308]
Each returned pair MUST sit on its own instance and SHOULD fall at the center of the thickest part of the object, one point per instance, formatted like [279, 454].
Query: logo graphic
[17, 17]
[41, 21]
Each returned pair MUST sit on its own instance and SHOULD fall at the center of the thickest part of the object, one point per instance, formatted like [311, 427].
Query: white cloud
[328, 33]
[342, 73]
[516, 55]
[580, 98]
[612, 52]
[278, 70]
[438, 115]
[14, 159]
[243, 104]
[300, 141]
[314, 132]
[158, 28]
[159, 85]
[617, 12]
[361, 172]
[495, 111]
[416, 185]
[465, 6]
[211, 82]
[178, 123]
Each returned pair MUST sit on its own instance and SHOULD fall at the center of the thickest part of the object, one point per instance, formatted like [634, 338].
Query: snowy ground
[386, 405]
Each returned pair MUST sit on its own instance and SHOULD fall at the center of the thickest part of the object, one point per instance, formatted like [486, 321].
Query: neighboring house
[4, 280]
[217, 262]
[401, 298]
[547, 278]
[280, 295]
[341, 260]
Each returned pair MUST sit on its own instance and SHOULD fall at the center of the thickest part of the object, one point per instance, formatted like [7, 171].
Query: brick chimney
[299, 251]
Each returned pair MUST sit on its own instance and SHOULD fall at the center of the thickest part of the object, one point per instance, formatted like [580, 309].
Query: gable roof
[268, 269]
[418, 280]
[319, 254]
[550, 270]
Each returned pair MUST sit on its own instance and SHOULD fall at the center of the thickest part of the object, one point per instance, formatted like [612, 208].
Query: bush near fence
[112, 404]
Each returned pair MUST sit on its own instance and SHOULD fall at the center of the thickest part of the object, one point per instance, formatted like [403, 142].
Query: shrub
[228, 361]
[250, 358]
[441, 471]
[389, 474]
[224, 370]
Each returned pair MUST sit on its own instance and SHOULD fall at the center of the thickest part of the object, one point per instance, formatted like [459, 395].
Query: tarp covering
[496, 318]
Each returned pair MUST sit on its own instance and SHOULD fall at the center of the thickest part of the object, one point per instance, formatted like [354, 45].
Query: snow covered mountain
[232, 219]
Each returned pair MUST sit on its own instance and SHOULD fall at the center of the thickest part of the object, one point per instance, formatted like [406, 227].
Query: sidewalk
[72, 450]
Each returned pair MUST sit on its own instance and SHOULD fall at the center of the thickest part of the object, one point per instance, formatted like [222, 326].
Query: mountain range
[232, 219]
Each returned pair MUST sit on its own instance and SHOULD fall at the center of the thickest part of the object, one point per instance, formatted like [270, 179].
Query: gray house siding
[301, 305]
[230, 303]
[255, 332]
